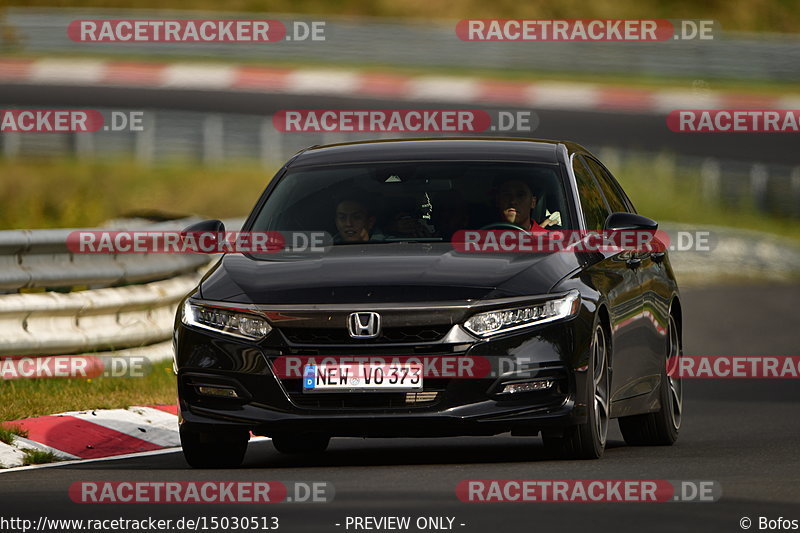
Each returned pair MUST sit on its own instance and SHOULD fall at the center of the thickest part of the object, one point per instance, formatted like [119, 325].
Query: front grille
[410, 334]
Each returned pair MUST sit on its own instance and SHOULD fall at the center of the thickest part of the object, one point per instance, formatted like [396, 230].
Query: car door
[655, 291]
[617, 277]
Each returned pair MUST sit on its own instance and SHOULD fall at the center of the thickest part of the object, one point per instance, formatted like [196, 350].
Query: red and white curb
[330, 82]
[95, 434]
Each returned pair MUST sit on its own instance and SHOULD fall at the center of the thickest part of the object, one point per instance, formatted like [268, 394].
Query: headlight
[502, 320]
[228, 321]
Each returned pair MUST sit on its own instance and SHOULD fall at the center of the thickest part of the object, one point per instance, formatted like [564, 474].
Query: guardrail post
[709, 177]
[145, 139]
[213, 138]
[11, 144]
[271, 147]
[758, 185]
[84, 144]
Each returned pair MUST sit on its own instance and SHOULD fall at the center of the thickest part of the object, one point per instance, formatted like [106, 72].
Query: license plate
[362, 378]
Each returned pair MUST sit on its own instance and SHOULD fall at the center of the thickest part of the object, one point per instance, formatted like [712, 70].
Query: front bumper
[269, 404]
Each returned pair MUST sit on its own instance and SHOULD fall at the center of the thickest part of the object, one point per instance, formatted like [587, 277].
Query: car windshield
[414, 202]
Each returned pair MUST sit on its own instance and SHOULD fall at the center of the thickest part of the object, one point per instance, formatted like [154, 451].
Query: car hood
[383, 274]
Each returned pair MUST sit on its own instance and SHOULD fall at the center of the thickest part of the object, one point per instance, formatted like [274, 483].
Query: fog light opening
[217, 392]
[528, 386]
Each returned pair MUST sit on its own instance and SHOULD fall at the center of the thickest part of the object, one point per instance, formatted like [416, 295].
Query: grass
[38, 457]
[750, 15]
[37, 397]
[47, 193]
[8, 434]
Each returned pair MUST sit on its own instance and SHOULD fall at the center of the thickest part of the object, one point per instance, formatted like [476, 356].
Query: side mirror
[628, 222]
[636, 233]
[206, 225]
[213, 232]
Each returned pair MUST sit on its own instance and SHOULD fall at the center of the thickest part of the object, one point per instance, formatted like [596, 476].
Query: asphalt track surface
[743, 434]
[646, 132]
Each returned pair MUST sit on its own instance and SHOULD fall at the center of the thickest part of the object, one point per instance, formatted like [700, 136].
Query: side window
[594, 207]
[625, 198]
[612, 191]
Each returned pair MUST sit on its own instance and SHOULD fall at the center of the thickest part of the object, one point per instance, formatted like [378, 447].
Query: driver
[515, 201]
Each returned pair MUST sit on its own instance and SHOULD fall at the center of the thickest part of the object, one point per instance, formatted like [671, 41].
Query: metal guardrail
[735, 254]
[109, 318]
[39, 259]
[103, 319]
[380, 41]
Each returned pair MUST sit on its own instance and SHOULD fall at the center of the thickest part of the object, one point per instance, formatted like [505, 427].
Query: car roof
[437, 149]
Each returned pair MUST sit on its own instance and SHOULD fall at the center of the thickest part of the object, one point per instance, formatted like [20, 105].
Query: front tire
[588, 440]
[660, 428]
[203, 449]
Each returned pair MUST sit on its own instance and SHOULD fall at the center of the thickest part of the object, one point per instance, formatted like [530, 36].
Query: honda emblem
[364, 325]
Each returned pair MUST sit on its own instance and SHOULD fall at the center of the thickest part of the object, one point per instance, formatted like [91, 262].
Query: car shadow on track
[398, 452]
[354, 452]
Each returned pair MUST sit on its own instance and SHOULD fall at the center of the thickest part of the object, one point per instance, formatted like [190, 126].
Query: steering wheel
[502, 225]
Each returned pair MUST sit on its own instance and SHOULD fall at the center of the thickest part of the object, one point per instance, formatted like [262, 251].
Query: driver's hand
[553, 219]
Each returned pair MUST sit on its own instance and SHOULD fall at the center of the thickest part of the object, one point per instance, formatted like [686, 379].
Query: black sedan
[411, 296]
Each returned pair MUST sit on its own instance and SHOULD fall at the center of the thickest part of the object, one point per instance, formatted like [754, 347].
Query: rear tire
[588, 440]
[203, 449]
[301, 444]
[661, 427]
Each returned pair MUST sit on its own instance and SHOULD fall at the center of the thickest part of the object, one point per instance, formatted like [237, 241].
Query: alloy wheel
[601, 384]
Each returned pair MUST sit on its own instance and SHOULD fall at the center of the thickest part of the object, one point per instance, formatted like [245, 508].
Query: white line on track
[112, 458]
